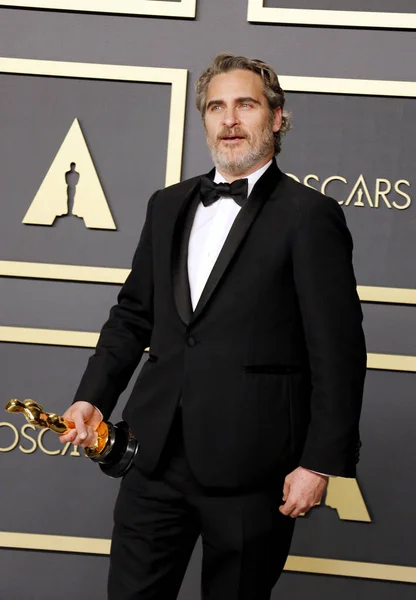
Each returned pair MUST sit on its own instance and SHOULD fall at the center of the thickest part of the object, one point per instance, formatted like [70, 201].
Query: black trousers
[157, 521]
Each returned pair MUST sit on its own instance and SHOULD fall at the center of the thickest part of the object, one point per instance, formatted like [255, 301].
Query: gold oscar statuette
[114, 449]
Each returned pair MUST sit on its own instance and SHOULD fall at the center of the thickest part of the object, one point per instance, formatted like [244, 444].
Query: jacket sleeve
[125, 334]
[332, 321]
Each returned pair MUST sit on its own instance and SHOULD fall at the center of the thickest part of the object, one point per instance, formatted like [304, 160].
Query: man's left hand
[301, 491]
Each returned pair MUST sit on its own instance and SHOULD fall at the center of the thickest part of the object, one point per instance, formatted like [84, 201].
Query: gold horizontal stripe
[50, 337]
[259, 13]
[88, 339]
[9, 268]
[58, 68]
[388, 295]
[30, 270]
[349, 568]
[157, 8]
[55, 543]
[337, 85]
[391, 362]
[300, 564]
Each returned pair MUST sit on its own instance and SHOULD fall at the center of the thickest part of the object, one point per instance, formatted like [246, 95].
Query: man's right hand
[86, 418]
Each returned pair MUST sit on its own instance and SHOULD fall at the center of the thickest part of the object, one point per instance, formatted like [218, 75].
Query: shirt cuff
[101, 414]
[318, 473]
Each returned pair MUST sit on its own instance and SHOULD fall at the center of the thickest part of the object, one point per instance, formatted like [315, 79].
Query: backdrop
[126, 76]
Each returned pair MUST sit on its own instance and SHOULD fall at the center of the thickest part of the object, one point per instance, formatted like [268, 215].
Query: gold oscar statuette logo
[71, 187]
[345, 496]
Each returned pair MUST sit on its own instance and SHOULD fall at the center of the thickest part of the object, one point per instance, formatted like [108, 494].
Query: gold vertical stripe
[176, 126]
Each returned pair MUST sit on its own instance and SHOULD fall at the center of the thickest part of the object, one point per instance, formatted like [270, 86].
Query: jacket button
[191, 341]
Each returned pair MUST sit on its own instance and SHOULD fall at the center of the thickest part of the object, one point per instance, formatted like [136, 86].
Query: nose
[230, 117]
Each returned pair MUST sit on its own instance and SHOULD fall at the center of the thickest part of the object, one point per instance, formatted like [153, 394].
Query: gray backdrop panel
[125, 125]
[350, 136]
[56, 304]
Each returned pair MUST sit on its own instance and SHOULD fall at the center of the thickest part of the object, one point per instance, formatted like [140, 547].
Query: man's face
[238, 123]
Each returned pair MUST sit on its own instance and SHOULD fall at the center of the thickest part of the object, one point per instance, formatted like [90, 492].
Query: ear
[277, 121]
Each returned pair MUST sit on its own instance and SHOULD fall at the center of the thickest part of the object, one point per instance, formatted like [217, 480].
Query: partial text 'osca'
[29, 439]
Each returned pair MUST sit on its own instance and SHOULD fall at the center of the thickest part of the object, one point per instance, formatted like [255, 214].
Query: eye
[245, 105]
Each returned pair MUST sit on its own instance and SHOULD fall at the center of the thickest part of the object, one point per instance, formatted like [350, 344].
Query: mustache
[233, 132]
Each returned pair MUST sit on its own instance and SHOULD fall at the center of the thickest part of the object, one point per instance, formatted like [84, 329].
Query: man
[252, 391]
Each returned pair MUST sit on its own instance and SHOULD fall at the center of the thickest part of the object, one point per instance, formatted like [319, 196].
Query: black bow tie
[211, 192]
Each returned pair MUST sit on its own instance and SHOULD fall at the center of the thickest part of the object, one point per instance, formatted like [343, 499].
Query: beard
[235, 160]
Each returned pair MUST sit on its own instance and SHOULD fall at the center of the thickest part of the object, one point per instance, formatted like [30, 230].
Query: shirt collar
[252, 178]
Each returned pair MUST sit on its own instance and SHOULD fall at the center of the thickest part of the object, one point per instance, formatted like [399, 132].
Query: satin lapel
[245, 218]
[180, 280]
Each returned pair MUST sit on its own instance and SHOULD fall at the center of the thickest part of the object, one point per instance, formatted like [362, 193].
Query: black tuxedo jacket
[271, 364]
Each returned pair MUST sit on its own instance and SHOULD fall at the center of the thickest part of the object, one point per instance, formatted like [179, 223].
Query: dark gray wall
[126, 128]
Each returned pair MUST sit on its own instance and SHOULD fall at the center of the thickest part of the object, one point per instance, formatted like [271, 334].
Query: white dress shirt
[209, 231]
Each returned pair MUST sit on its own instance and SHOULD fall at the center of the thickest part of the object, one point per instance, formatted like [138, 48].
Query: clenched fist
[301, 491]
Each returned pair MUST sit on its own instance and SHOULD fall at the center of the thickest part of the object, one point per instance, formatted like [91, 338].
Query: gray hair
[275, 96]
